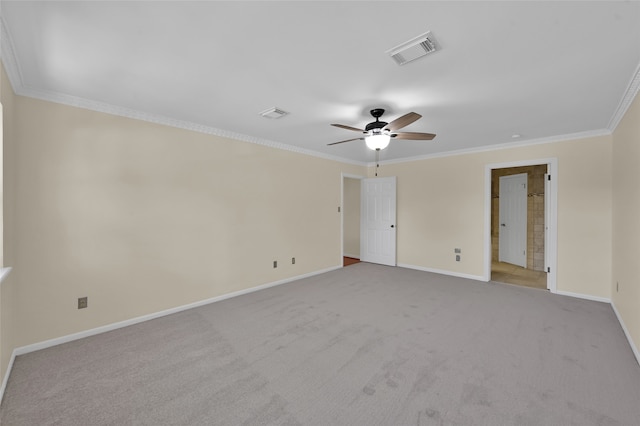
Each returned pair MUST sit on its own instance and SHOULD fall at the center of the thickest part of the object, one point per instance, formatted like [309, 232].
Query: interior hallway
[512, 274]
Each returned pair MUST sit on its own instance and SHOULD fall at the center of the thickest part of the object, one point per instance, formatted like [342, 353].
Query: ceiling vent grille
[414, 48]
[273, 113]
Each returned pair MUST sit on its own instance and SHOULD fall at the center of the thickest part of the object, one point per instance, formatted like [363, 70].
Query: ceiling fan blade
[348, 140]
[403, 121]
[414, 136]
[342, 126]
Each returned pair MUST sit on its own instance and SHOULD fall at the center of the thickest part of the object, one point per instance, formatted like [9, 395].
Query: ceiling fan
[378, 134]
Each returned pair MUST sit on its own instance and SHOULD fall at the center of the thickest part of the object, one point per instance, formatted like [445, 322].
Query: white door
[513, 220]
[378, 221]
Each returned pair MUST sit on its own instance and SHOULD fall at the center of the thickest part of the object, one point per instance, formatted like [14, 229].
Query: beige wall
[626, 221]
[141, 217]
[441, 206]
[352, 217]
[8, 286]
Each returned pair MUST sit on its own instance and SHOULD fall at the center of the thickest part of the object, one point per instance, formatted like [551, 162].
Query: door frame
[344, 176]
[551, 212]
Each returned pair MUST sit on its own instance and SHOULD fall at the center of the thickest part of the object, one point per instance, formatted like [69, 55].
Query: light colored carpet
[363, 345]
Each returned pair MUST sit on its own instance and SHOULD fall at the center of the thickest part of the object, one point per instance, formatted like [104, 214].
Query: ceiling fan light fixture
[377, 140]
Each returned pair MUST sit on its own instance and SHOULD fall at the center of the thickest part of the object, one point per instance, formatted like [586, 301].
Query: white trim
[350, 176]
[110, 327]
[14, 74]
[501, 146]
[443, 272]
[342, 178]
[12, 67]
[583, 296]
[552, 245]
[106, 108]
[76, 336]
[4, 273]
[5, 380]
[634, 348]
[626, 101]
[15, 78]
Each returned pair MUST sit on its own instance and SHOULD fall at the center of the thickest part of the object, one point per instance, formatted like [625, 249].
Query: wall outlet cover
[83, 302]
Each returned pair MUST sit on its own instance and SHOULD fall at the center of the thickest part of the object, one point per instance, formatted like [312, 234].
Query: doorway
[534, 264]
[350, 219]
[368, 217]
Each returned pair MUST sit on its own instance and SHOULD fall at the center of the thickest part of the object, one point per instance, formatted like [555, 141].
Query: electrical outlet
[457, 250]
[457, 258]
[83, 302]
[293, 260]
[275, 263]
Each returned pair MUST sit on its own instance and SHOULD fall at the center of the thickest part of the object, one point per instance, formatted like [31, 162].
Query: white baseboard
[442, 272]
[6, 375]
[634, 348]
[583, 296]
[76, 336]
[109, 327]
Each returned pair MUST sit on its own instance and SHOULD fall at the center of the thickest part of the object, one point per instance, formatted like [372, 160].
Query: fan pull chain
[377, 160]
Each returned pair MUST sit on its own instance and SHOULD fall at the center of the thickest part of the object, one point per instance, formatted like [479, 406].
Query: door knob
[502, 224]
[392, 226]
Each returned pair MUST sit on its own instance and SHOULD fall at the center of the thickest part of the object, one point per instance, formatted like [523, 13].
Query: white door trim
[551, 209]
[342, 178]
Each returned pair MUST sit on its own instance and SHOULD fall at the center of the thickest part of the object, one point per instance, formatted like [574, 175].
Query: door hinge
[548, 269]
[548, 177]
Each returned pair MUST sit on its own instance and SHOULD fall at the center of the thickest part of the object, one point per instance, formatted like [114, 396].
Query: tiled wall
[535, 212]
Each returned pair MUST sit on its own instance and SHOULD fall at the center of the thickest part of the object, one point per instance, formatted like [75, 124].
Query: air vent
[414, 48]
[273, 113]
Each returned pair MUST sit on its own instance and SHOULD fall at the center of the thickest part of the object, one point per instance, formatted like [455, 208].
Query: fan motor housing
[376, 113]
[375, 125]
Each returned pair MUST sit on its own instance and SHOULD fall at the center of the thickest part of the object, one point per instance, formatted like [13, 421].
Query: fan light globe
[377, 141]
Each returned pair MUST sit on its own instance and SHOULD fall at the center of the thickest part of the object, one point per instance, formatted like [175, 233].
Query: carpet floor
[363, 345]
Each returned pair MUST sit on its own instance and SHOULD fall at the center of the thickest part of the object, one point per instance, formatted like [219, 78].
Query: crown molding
[626, 101]
[12, 67]
[500, 146]
[9, 58]
[629, 96]
[7, 54]
[106, 108]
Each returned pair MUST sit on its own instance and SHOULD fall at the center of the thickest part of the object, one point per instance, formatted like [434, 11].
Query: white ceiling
[543, 70]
